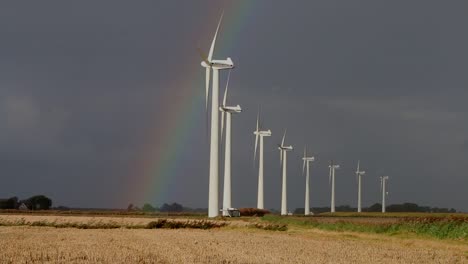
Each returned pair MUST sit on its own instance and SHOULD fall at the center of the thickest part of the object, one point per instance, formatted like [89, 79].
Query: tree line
[36, 202]
[174, 207]
[377, 207]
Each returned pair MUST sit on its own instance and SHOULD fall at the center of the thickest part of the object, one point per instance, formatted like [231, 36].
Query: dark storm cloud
[380, 81]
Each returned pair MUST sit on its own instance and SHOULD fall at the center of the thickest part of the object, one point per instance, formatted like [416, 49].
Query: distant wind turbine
[305, 165]
[209, 64]
[359, 173]
[383, 184]
[227, 111]
[283, 159]
[259, 133]
[331, 177]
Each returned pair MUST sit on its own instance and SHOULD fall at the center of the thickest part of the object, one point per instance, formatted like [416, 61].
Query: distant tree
[11, 203]
[299, 211]
[148, 208]
[345, 208]
[130, 207]
[408, 207]
[175, 207]
[39, 202]
[319, 210]
[377, 207]
[62, 208]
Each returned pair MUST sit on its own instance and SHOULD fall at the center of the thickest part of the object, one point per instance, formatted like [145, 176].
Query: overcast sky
[87, 88]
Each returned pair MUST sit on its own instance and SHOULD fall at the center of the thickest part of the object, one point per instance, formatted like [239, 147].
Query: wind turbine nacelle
[223, 64]
[309, 158]
[334, 166]
[286, 148]
[266, 133]
[231, 109]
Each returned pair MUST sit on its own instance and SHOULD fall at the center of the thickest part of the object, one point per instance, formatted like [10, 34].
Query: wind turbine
[259, 133]
[228, 111]
[383, 183]
[305, 165]
[216, 65]
[283, 159]
[359, 173]
[331, 177]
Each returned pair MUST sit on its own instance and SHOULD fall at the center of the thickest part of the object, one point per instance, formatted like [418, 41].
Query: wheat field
[232, 244]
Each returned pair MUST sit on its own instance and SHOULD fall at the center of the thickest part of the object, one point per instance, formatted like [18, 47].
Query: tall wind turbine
[359, 173]
[209, 64]
[259, 133]
[283, 159]
[331, 177]
[383, 183]
[305, 165]
[227, 111]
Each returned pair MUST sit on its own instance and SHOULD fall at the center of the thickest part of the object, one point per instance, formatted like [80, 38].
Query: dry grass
[391, 214]
[26, 244]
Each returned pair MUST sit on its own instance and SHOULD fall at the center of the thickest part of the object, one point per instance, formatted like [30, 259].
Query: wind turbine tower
[283, 159]
[383, 183]
[227, 111]
[331, 176]
[216, 65]
[259, 133]
[305, 165]
[359, 173]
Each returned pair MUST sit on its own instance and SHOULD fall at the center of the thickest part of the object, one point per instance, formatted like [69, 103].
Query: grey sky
[381, 81]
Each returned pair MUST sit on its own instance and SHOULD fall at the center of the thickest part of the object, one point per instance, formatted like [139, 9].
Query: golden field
[235, 243]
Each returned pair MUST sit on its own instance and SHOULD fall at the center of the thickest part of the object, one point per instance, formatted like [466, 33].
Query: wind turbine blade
[207, 93]
[381, 183]
[386, 186]
[203, 56]
[222, 124]
[207, 86]
[226, 90]
[281, 163]
[210, 54]
[260, 125]
[357, 171]
[282, 141]
[304, 163]
[256, 135]
[330, 172]
[303, 167]
[258, 117]
[256, 144]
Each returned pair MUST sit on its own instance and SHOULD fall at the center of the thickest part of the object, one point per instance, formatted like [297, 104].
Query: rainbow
[155, 174]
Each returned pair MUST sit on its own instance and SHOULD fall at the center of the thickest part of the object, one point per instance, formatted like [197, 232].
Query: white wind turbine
[383, 183]
[228, 111]
[331, 177]
[305, 165]
[259, 133]
[359, 173]
[209, 64]
[283, 159]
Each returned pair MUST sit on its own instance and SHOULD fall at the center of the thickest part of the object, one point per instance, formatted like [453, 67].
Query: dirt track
[44, 244]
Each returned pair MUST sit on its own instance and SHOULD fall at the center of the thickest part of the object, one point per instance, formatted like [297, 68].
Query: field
[135, 239]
